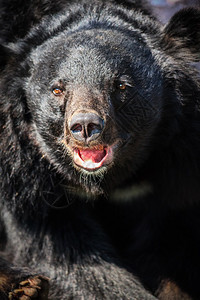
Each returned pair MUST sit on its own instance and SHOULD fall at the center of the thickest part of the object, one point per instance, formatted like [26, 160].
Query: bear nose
[86, 126]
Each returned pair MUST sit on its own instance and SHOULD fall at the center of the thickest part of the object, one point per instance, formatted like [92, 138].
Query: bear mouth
[92, 159]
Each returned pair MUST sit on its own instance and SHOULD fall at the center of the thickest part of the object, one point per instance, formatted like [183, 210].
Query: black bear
[99, 151]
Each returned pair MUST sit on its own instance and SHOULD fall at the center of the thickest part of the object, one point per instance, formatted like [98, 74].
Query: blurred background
[164, 9]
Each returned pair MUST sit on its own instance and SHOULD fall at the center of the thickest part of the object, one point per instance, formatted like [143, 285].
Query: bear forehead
[96, 53]
[107, 44]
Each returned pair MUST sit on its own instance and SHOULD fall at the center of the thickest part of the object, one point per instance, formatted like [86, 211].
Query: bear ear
[181, 36]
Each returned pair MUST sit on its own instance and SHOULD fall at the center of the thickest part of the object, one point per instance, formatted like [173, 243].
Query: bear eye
[124, 82]
[57, 91]
[122, 86]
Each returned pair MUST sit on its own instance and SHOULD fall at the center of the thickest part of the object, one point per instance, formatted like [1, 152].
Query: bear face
[92, 102]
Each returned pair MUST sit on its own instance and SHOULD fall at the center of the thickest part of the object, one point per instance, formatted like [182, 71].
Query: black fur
[132, 228]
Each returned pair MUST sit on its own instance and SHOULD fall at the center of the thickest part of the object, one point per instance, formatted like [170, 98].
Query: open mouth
[92, 159]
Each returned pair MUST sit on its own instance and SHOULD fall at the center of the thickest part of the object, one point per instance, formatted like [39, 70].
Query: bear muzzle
[86, 127]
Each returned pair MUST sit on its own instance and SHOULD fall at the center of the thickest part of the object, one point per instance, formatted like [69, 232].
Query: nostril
[93, 128]
[76, 128]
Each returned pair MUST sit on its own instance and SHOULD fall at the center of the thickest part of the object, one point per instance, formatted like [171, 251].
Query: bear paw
[36, 287]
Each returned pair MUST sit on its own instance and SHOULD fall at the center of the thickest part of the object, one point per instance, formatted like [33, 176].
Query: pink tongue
[92, 155]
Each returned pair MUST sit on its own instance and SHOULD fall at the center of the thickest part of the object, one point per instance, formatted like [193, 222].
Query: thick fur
[131, 229]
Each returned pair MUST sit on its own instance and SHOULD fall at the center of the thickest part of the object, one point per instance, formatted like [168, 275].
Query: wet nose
[86, 126]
